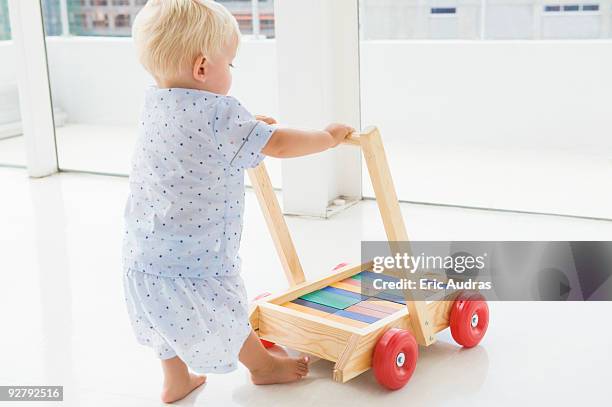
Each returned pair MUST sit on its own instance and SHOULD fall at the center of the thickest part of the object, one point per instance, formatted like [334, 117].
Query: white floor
[540, 179]
[64, 323]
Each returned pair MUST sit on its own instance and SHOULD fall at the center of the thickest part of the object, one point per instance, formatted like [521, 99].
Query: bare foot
[179, 389]
[281, 370]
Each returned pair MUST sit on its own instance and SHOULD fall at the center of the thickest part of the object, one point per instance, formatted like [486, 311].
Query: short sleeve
[239, 136]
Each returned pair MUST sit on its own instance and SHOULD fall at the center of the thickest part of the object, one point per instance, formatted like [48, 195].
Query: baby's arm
[287, 143]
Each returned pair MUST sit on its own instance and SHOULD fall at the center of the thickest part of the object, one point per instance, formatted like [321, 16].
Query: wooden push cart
[329, 317]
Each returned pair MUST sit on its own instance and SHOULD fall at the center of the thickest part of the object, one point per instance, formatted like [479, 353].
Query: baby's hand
[265, 119]
[339, 132]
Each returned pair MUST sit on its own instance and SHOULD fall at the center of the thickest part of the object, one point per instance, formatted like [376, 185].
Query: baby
[183, 218]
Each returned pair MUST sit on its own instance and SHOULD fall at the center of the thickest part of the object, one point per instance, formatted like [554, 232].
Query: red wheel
[340, 265]
[266, 344]
[394, 358]
[469, 319]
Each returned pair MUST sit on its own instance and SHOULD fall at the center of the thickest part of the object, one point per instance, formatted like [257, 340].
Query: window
[99, 20]
[571, 8]
[5, 26]
[590, 7]
[485, 19]
[96, 108]
[439, 104]
[443, 10]
[573, 21]
[114, 17]
[12, 145]
[122, 20]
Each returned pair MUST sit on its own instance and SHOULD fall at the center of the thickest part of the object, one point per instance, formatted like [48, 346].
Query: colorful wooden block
[357, 308]
[369, 275]
[330, 299]
[383, 295]
[352, 281]
[314, 305]
[307, 310]
[347, 321]
[346, 293]
[382, 305]
[357, 317]
[347, 287]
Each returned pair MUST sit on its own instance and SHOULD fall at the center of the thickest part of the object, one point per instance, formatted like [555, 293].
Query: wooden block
[347, 321]
[346, 293]
[310, 304]
[306, 310]
[383, 295]
[347, 287]
[356, 316]
[357, 308]
[371, 275]
[382, 305]
[330, 299]
[352, 281]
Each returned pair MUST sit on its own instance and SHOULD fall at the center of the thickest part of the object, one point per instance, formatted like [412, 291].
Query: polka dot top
[183, 217]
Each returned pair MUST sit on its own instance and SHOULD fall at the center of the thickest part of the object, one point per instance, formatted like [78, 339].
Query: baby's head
[187, 43]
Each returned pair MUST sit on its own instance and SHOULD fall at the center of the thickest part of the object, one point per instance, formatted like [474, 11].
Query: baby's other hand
[339, 132]
[265, 119]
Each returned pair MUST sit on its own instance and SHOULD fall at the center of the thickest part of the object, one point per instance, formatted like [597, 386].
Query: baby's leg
[267, 368]
[178, 381]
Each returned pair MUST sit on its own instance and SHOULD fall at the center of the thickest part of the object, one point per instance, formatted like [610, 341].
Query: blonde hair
[170, 34]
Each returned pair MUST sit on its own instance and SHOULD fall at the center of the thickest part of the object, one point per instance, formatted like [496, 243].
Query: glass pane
[98, 86]
[12, 148]
[514, 125]
[485, 19]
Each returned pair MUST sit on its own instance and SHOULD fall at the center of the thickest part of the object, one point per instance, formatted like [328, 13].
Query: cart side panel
[254, 316]
[358, 357]
[440, 314]
[306, 333]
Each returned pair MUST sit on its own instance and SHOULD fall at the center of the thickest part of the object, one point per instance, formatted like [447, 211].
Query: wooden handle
[352, 140]
[355, 139]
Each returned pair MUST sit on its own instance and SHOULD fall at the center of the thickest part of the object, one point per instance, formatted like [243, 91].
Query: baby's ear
[200, 68]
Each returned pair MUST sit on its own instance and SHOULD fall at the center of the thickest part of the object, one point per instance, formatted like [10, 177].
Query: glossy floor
[64, 322]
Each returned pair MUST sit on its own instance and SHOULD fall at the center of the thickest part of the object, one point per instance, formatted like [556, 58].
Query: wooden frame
[350, 347]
